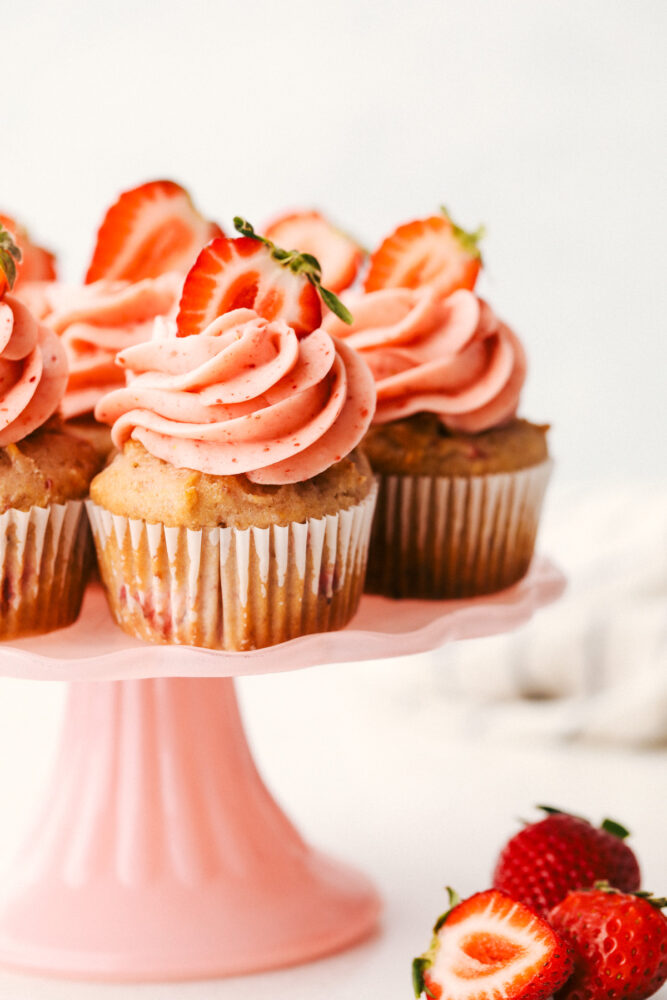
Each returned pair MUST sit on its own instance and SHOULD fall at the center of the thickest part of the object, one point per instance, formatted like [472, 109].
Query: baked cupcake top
[449, 356]
[33, 365]
[244, 396]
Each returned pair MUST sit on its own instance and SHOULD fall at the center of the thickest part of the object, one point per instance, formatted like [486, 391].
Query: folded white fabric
[594, 665]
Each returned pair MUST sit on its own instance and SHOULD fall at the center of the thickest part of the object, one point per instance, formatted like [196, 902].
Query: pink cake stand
[159, 853]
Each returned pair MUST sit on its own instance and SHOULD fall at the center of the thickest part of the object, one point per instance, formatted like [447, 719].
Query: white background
[542, 118]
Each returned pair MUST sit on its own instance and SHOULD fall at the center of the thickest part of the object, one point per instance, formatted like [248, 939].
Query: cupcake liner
[45, 555]
[453, 537]
[230, 588]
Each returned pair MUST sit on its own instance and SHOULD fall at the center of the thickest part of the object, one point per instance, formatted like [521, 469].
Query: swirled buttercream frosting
[33, 372]
[245, 396]
[449, 356]
[95, 322]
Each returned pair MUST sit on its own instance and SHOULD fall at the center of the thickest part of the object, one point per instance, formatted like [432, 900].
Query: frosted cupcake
[461, 477]
[45, 473]
[148, 240]
[237, 513]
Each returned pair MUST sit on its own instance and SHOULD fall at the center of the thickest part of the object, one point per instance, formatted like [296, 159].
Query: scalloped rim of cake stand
[95, 648]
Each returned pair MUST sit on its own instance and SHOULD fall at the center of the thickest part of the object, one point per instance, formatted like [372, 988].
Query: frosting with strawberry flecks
[244, 396]
[33, 372]
[450, 356]
[95, 322]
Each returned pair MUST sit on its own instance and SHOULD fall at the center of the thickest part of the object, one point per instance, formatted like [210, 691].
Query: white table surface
[416, 808]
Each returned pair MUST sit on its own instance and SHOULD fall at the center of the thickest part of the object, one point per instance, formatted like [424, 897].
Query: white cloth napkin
[591, 667]
[594, 665]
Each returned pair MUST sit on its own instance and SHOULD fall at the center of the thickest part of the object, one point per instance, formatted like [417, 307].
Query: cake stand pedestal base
[160, 854]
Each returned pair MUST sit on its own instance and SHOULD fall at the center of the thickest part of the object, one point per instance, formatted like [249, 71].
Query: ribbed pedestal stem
[160, 854]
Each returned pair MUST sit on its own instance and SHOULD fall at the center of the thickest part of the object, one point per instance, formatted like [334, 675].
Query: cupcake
[149, 238]
[45, 473]
[237, 512]
[461, 477]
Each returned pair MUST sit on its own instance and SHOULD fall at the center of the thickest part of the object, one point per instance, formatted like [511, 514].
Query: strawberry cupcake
[237, 512]
[45, 473]
[461, 477]
[149, 238]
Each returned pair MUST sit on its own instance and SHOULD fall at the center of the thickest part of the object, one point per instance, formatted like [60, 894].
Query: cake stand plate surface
[94, 648]
[159, 853]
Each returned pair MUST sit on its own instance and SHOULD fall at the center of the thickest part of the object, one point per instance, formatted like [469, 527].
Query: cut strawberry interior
[150, 230]
[309, 232]
[493, 948]
[242, 273]
[429, 251]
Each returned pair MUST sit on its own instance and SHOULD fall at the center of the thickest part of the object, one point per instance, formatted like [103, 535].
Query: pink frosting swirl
[449, 356]
[33, 372]
[97, 321]
[245, 396]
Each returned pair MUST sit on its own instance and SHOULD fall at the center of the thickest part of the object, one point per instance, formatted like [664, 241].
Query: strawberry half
[10, 255]
[339, 256]
[619, 942]
[545, 860]
[431, 251]
[490, 947]
[37, 263]
[251, 272]
[151, 229]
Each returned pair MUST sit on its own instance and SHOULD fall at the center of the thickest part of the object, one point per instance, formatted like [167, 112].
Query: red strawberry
[491, 948]
[253, 273]
[10, 255]
[619, 943]
[339, 256]
[431, 251]
[151, 229]
[37, 263]
[562, 852]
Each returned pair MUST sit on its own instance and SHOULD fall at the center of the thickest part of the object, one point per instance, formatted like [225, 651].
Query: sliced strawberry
[150, 230]
[431, 251]
[242, 273]
[10, 256]
[339, 256]
[37, 263]
[491, 948]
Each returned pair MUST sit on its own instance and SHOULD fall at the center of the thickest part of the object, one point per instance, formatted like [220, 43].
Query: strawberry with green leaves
[433, 251]
[619, 943]
[37, 263]
[10, 256]
[490, 947]
[542, 862]
[251, 272]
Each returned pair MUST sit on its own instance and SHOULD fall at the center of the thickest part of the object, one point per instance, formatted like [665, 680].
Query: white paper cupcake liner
[45, 555]
[230, 588]
[453, 537]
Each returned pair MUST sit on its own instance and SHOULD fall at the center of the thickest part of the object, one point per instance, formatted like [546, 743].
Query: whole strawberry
[489, 947]
[619, 941]
[545, 860]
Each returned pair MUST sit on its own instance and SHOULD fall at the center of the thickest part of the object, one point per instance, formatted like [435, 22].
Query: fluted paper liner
[454, 537]
[230, 588]
[45, 555]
